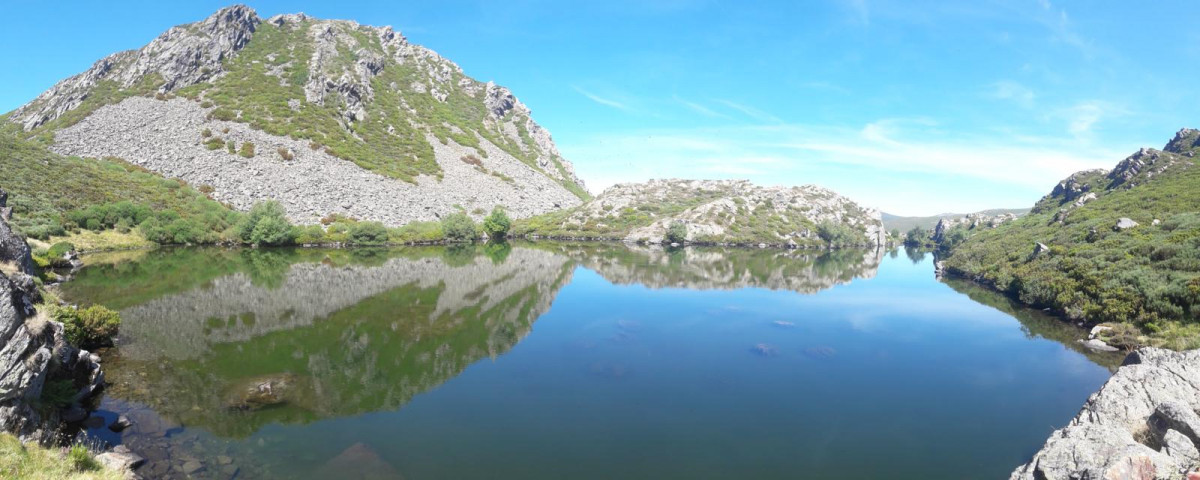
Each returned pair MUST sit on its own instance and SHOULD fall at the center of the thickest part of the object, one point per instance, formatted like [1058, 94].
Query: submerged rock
[1140, 424]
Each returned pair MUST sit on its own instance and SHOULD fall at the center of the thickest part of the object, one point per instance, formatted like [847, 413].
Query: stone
[1098, 345]
[1097, 330]
[1172, 415]
[1040, 248]
[1180, 448]
[120, 424]
[121, 461]
[192, 467]
[1153, 387]
[1125, 224]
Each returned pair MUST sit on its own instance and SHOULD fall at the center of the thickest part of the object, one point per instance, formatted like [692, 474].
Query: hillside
[904, 224]
[323, 116]
[717, 212]
[1119, 246]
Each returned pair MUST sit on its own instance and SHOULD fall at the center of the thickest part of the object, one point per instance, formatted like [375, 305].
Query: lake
[561, 360]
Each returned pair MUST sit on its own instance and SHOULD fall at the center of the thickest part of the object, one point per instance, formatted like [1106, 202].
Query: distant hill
[1120, 246]
[904, 224]
[715, 211]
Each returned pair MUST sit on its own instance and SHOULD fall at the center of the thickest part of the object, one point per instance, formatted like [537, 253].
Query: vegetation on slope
[1091, 270]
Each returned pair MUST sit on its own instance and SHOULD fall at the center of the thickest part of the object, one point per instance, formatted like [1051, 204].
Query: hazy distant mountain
[904, 224]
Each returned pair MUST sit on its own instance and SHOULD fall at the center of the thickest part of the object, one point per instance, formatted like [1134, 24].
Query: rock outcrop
[33, 349]
[970, 222]
[718, 212]
[1141, 425]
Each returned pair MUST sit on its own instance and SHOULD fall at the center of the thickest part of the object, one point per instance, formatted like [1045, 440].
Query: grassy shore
[28, 461]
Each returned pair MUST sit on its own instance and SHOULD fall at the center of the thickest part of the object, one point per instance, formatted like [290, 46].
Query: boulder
[1098, 345]
[1125, 224]
[13, 249]
[121, 461]
[1116, 434]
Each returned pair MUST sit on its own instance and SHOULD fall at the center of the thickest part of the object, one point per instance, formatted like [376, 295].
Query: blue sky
[914, 107]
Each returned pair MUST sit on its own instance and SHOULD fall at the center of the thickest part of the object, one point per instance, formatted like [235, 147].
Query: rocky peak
[1142, 166]
[1186, 142]
[181, 56]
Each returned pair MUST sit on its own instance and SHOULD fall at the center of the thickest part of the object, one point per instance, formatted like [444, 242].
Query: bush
[276, 230]
[368, 233]
[206, 133]
[676, 232]
[284, 153]
[417, 232]
[214, 143]
[497, 224]
[458, 227]
[90, 327]
[471, 159]
[310, 235]
[81, 459]
[231, 147]
[247, 150]
[56, 253]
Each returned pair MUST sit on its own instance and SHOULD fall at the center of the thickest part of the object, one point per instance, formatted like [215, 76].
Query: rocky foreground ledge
[1141, 425]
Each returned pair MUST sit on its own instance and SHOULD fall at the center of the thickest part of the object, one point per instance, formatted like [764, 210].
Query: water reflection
[244, 362]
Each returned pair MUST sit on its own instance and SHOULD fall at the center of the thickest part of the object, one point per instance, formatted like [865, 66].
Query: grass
[107, 240]
[33, 462]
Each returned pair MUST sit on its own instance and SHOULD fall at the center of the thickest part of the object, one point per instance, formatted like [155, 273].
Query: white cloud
[701, 109]
[603, 101]
[894, 164]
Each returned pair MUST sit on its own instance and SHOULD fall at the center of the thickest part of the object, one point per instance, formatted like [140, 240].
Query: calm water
[575, 361]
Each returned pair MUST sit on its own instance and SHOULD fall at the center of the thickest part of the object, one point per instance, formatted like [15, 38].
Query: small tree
[916, 237]
[497, 224]
[458, 227]
[676, 232]
[275, 228]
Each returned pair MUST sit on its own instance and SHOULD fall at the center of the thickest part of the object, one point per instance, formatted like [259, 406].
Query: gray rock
[13, 249]
[1040, 248]
[1098, 345]
[124, 461]
[1171, 415]
[121, 423]
[192, 467]
[1180, 448]
[1100, 441]
[1125, 224]
[1096, 330]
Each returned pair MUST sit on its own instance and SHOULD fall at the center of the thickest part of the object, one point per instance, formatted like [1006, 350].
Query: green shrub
[266, 224]
[497, 224]
[57, 393]
[90, 327]
[56, 253]
[310, 235]
[368, 233]
[214, 143]
[417, 232]
[206, 133]
[458, 227]
[231, 147]
[676, 232]
[247, 150]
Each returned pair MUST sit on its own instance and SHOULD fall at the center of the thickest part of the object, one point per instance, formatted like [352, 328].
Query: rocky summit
[717, 212]
[324, 116]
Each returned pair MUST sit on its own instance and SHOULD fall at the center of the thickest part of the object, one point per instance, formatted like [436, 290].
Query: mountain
[904, 224]
[715, 211]
[324, 116]
[1120, 245]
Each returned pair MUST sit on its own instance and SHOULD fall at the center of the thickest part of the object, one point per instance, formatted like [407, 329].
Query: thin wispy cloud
[698, 108]
[608, 102]
[751, 112]
[885, 154]
[1059, 23]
